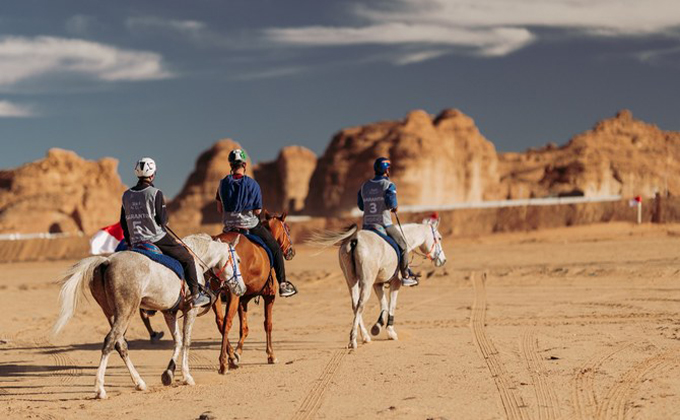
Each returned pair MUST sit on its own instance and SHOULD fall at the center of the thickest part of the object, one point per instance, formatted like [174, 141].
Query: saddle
[257, 241]
[154, 253]
[390, 241]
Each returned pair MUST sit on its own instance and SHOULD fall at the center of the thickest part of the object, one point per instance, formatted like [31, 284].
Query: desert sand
[577, 322]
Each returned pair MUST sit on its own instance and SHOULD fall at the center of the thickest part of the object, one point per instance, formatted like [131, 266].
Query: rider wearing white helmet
[239, 202]
[377, 198]
[143, 217]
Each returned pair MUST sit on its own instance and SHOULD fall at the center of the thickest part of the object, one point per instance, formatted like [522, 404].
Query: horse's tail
[74, 281]
[325, 239]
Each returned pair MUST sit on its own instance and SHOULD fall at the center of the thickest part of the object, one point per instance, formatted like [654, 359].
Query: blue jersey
[239, 195]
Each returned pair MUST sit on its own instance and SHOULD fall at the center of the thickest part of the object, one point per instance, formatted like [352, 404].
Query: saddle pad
[260, 242]
[167, 261]
[390, 241]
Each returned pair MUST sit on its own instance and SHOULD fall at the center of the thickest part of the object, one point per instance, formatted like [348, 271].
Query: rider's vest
[376, 211]
[240, 197]
[140, 215]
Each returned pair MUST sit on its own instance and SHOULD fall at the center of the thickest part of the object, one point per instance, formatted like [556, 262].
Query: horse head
[228, 267]
[281, 232]
[432, 245]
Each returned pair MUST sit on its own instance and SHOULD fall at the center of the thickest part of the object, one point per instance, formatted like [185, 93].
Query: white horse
[368, 260]
[126, 281]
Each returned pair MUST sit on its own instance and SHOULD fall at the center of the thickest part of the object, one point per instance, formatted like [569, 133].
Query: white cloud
[24, 58]
[191, 27]
[483, 27]
[270, 73]
[8, 109]
[80, 24]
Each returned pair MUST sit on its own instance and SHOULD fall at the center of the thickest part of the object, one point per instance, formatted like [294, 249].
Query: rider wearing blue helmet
[377, 198]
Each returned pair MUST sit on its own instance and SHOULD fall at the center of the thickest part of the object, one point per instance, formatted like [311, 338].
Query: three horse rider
[377, 198]
[239, 202]
[143, 217]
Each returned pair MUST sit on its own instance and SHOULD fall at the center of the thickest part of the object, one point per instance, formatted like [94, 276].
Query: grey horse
[368, 262]
[126, 281]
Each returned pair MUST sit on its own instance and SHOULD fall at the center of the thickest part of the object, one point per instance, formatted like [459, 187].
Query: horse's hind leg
[382, 318]
[243, 325]
[395, 285]
[173, 325]
[115, 335]
[122, 348]
[268, 306]
[364, 294]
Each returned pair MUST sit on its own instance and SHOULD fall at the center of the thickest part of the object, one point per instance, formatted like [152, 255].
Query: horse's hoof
[392, 335]
[156, 336]
[366, 339]
[376, 329]
[141, 386]
[352, 345]
[272, 360]
[166, 377]
[233, 363]
[222, 370]
[237, 357]
[100, 395]
[189, 381]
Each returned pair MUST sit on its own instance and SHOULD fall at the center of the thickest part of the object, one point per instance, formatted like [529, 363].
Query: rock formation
[285, 181]
[619, 156]
[60, 193]
[435, 161]
[195, 203]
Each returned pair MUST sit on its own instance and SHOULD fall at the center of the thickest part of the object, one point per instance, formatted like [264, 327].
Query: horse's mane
[199, 243]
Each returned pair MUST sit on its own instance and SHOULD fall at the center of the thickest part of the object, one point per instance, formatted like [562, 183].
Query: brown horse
[260, 280]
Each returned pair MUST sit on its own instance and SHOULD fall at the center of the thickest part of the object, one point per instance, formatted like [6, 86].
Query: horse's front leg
[227, 351]
[268, 306]
[382, 318]
[395, 285]
[219, 312]
[189, 319]
[173, 326]
[243, 323]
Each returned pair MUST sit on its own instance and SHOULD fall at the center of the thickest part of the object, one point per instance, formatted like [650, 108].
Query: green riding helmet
[237, 156]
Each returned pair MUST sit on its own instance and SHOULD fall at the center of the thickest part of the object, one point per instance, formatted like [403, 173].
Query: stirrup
[286, 289]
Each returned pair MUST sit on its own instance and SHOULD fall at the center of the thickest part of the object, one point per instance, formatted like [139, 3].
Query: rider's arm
[256, 205]
[161, 211]
[360, 201]
[391, 197]
[123, 224]
[220, 208]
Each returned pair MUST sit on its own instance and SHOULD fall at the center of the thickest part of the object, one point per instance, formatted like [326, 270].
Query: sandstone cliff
[436, 161]
[285, 181]
[195, 204]
[60, 193]
[619, 156]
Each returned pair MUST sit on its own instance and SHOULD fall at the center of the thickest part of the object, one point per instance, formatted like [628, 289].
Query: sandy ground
[570, 323]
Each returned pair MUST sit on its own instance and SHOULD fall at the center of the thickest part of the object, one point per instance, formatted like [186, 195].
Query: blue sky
[167, 79]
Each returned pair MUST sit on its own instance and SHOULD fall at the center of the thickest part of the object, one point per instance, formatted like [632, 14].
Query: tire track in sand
[585, 400]
[616, 402]
[66, 368]
[548, 405]
[512, 404]
[312, 402]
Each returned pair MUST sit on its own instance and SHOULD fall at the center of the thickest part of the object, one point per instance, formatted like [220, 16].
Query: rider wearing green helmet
[239, 202]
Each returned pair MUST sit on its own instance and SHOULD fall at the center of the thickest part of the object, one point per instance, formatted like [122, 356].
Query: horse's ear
[267, 215]
[238, 238]
[283, 216]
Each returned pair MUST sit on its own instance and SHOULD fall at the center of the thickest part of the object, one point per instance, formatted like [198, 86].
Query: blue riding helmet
[381, 165]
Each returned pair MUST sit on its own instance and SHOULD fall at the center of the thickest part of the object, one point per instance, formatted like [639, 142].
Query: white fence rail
[41, 235]
[503, 203]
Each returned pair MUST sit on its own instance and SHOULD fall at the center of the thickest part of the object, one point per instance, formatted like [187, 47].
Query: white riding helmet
[145, 168]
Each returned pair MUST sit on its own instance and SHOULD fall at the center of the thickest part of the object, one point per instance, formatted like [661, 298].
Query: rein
[429, 255]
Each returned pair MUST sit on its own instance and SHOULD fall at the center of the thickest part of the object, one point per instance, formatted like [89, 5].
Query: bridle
[235, 271]
[434, 247]
[288, 249]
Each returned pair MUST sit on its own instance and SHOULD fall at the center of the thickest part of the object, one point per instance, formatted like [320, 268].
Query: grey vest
[140, 215]
[375, 209]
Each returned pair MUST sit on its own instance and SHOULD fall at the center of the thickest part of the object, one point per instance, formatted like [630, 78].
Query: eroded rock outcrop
[619, 156]
[60, 193]
[285, 181]
[436, 161]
